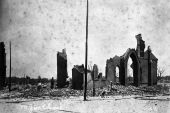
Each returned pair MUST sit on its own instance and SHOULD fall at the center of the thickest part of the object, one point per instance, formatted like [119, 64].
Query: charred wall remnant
[140, 46]
[62, 74]
[144, 65]
[111, 65]
[77, 77]
[78, 74]
[2, 65]
[95, 72]
[149, 68]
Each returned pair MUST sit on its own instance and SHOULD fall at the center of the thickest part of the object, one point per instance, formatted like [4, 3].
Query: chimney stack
[140, 46]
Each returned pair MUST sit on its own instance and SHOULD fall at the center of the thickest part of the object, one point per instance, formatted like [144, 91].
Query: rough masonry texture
[2, 65]
[62, 74]
[144, 65]
[94, 79]
[78, 74]
[95, 72]
[77, 77]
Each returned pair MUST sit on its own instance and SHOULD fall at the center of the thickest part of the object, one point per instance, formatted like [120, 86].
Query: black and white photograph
[84, 56]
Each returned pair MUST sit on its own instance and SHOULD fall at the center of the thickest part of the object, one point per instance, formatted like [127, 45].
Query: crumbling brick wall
[77, 77]
[111, 65]
[62, 74]
[144, 69]
[2, 65]
[142, 73]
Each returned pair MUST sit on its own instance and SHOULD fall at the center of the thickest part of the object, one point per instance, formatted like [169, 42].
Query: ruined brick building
[2, 65]
[62, 74]
[77, 77]
[144, 65]
[94, 79]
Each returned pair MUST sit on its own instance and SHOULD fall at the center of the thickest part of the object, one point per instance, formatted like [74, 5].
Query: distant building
[95, 71]
[144, 65]
[62, 74]
[2, 65]
[98, 82]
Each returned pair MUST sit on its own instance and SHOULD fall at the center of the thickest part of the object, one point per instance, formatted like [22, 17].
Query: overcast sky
[40, 28]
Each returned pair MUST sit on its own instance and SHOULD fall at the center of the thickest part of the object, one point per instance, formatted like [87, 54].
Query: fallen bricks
[67, 92]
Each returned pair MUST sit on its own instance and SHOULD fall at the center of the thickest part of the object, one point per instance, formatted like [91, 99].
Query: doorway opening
[117, 75]
[130, 74]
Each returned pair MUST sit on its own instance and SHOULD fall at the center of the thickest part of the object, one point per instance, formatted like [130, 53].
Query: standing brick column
[62, 74]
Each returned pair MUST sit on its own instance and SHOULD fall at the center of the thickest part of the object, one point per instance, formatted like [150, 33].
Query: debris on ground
[34, 91]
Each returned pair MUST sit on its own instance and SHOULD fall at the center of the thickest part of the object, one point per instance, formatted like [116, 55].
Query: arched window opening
[130, 74]
[117, 75]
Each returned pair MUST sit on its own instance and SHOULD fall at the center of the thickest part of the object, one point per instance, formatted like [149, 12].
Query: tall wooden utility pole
[86, 54]
[10, 67]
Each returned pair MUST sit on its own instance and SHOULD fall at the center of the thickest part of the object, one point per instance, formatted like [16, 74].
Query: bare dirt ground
[118, 99]
[109, 104]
